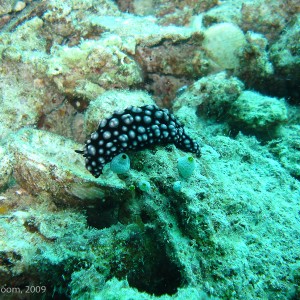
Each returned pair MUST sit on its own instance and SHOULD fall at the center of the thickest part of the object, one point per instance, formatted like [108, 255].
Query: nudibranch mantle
[134, 128]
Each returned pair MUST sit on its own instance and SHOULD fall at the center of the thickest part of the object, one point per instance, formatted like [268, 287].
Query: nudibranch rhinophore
[134, 128]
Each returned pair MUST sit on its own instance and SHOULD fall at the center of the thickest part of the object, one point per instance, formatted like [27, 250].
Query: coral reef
[173, 12]
[287, 149]
[166, 226]
[210, 96]
[284, 54]
[40, 165]
[253, 111]
[5, 168]
[268, 17]
[101, 63]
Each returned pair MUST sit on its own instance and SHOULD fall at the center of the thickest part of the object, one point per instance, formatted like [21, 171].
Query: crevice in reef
[151, 270]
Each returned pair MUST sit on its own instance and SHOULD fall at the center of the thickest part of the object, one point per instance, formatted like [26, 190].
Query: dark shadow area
[102, 214]
[145, 263]
[159, 277]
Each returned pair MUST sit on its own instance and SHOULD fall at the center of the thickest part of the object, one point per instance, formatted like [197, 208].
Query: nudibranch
[134, 128]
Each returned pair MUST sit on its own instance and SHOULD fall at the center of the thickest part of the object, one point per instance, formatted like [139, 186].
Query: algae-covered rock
[267, 17]
[255, 67]
[25, 38]
[230, 230]
[234, 208]
[20, 104]
[102, 64]
[253, 111]
[287, 149]
[228, 12]
[285, 54]
[286, 51]
[122, 290]
[6, 6]
[68, 19]
[210, 96]
[5, 167]
[170, 56]
[48, 162]
[177, 12]
[143, 30]
[239, 207]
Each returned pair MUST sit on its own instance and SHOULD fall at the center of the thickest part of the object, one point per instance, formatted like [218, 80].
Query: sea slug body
[134, 128]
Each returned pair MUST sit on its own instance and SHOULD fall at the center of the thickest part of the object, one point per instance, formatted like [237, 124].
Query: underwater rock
[6, 167]
[158, 166]
[287, 148]
[255, 112]
[20, 5]
[27, 239]
[228, 12]
[100, 63]
[64, 119]
[174, 58]
[45, 162]
[255, 68]
[6, 7]
[220, 208]
[139, 30]
[285, 55]
[169, 56]
[26, 43]
[286, 51]
[169, 65]
[67, 21]
[267, 17]
[209, 97]
[105, 238]
[223, 210]
[20, 104]
[226, 214]
[122, 290]
[178, 12]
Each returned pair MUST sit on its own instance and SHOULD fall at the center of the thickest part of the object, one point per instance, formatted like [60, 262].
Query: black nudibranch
[134, 128]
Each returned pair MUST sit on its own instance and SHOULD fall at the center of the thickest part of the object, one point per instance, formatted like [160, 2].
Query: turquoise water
[149, 149]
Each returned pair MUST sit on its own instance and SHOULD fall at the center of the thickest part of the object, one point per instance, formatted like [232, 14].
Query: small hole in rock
[102, 215]
[158, 276]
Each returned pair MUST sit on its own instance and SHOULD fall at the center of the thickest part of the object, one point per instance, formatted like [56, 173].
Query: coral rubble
[221, 226]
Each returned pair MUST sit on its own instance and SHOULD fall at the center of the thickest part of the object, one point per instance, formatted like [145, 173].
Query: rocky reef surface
[228, 227]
